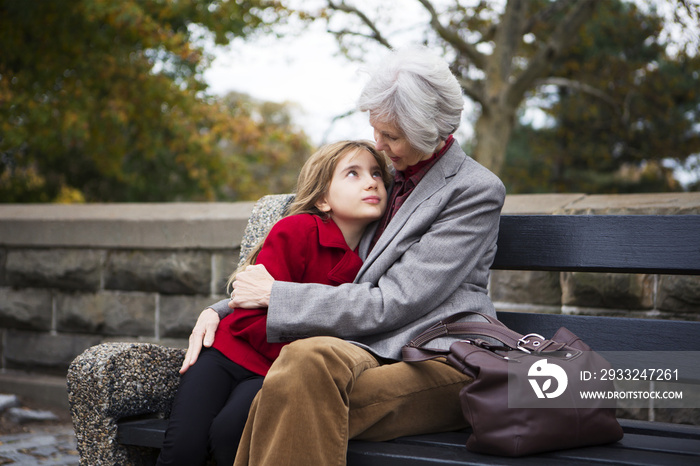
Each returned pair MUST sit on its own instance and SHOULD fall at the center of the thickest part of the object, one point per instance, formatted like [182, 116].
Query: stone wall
[72, 276]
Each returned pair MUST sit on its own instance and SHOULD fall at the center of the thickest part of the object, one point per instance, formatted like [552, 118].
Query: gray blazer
[432, 261]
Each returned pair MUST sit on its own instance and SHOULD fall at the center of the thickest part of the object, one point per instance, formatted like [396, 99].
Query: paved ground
[54, 445]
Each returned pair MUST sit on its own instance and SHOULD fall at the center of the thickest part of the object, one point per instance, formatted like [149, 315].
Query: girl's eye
[377, 174]
[352, 173]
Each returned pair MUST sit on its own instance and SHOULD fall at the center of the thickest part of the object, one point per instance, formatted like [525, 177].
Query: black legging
[209, 411]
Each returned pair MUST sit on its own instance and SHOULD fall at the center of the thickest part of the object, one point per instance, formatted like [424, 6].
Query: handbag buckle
[525, 340]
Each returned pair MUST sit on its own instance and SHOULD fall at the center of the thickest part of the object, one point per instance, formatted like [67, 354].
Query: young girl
[341, 190]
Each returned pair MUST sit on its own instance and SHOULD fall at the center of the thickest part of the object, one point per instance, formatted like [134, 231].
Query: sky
[304, 71]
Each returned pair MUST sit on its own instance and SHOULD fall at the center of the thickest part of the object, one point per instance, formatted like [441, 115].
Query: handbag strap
[415, 351]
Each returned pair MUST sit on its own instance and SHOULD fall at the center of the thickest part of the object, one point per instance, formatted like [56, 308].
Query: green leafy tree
[104, 100]
[619, 108]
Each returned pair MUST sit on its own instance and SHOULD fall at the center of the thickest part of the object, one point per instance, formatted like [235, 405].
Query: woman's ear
[323, 205]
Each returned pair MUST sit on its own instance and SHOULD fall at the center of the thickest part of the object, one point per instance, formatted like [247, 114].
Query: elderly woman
[426, 259]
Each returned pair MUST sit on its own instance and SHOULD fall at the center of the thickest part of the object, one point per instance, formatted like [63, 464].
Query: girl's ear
[323, 205]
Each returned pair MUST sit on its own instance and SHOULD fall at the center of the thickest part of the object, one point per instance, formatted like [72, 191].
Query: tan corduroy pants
[323, 391]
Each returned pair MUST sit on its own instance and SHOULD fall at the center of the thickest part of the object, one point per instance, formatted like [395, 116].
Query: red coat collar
[330, 236]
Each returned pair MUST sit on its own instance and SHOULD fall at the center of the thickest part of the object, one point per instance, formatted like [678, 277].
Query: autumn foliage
[103, 100]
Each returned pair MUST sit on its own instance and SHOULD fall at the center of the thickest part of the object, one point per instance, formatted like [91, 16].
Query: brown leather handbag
[526, 394]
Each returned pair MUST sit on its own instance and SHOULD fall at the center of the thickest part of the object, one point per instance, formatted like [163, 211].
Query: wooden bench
[108, 378]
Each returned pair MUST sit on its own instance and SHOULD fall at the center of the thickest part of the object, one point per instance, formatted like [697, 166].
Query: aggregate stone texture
[115, 380]
[265, 213]
[111, 381]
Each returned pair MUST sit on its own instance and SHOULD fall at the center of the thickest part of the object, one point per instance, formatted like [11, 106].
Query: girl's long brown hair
[313, 183]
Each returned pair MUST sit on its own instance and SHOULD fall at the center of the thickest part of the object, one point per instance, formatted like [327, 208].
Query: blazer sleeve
[444, 253]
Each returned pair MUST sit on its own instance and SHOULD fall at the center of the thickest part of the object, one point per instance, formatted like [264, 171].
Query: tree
[104, 101]
[497, 58]
[633, 109]
[266, 153]
[500, 50]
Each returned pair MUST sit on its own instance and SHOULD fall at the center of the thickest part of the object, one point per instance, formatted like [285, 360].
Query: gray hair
[416, 91]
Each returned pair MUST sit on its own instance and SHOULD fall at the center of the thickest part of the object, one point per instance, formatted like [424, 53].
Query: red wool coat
[301, 248]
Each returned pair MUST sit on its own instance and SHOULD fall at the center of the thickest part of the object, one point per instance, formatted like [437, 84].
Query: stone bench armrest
[111, 381]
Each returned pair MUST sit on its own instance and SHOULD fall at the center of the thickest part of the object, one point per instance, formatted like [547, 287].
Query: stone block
[525, 286]
[73, 269]
[108, 313]
[178, 314]
[608, 290]
[43, 351]
[174, 272]
[679, 294]
[223, 264]
[3, 262]
[636, 204]
[28, 309]
[539, 204]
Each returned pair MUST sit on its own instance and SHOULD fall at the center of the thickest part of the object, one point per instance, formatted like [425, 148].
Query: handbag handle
[414, 350]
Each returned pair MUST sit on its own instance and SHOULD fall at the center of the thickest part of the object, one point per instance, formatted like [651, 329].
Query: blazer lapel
[432, 182]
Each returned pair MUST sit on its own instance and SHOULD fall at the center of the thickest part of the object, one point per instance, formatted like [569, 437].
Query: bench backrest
[666, 244]
[651, 244]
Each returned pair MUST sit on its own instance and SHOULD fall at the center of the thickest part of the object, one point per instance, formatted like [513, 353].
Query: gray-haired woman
[426, 259]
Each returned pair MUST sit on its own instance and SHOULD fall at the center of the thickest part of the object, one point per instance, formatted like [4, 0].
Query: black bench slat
[662, 445]
[142, 432]
[632, 449]
[687, 442]
[644, 443]
[660, 429]
[623, 453]
[666, 244]
[638, 450]
[611, 333]
[394, 453]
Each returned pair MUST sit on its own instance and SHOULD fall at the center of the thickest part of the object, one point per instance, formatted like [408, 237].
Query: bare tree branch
[345, 8]
[473, 89]
[335, 119]
[561, 38]
[581, 87]
[508, 36]
[453, 38]
[347, 32]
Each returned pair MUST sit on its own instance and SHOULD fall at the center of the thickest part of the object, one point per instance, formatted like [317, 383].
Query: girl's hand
[202, 335]
[252, 288]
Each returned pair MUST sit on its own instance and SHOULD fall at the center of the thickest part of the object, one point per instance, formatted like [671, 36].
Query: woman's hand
[202, 335]
[252, 288]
